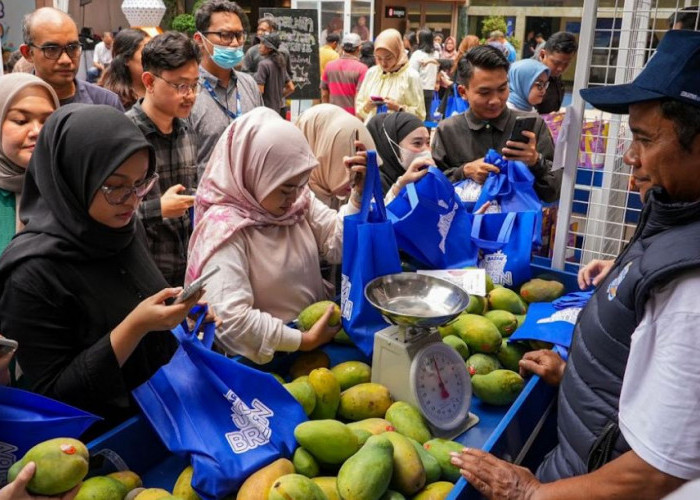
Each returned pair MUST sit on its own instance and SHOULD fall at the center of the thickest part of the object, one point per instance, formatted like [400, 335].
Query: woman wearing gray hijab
[26, 101]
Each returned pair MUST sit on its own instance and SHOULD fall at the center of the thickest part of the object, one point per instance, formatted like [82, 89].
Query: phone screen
[195, 286]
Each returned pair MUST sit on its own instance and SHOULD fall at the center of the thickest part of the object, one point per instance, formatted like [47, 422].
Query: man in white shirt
[629, 398]
[102, 57]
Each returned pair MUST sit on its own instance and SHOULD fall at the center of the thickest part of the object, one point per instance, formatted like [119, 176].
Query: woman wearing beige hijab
[260, 223]
[391, 82]
[26, 101]
[330, 131]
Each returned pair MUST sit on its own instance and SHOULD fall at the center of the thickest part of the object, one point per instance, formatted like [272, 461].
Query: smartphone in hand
[7, 346]
[194, 287]
[376, 99]
[522, 123]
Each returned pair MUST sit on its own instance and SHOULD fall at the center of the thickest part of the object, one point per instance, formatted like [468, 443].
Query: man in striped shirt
[342, 77]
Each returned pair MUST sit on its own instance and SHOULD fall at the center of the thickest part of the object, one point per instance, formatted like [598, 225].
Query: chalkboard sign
[298, 29]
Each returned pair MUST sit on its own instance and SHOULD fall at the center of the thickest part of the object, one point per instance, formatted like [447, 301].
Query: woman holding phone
[79, 290]
[331, 135]
[391, 83]
[260, 223]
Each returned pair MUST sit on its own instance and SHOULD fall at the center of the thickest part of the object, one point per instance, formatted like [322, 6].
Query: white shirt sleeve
[245, 330]
[327, 226]
[660, 398]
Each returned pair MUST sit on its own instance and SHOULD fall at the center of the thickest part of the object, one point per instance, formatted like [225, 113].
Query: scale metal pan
[416, 300]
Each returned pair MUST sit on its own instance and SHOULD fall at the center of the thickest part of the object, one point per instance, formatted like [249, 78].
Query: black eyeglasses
[183, 88]
[116, 195]
[54, 52]
[228, 36]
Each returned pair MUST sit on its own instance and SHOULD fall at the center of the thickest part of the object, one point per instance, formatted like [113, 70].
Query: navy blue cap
[672, 72]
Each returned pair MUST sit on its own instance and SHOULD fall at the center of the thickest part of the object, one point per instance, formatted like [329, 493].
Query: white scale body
[418, 367]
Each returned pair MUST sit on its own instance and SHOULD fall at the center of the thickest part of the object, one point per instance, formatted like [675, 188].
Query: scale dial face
[441, 385]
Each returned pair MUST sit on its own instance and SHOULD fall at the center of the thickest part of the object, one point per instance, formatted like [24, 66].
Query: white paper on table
[472, 281]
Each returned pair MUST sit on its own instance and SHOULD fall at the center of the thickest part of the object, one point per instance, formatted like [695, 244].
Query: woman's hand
[391, 104]
[357, 167]
[17, 489]
[545, 363]
[153, 314]
[415, 172]
[4, 366]
[320, 333]
[594, 272]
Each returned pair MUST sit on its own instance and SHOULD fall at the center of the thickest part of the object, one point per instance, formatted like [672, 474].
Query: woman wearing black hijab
[403, 143]
[78, 288]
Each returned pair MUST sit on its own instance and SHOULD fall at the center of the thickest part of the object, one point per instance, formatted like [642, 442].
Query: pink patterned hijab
[256, 154]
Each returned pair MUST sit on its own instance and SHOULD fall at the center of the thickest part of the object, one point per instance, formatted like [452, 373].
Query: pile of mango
[62, 464]
[480, 335]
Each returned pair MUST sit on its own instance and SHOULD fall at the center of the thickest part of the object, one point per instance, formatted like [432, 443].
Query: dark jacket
[62, 312]
[666, 244]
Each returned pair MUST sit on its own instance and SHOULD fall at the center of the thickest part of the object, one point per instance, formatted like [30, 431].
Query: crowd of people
[179, 160]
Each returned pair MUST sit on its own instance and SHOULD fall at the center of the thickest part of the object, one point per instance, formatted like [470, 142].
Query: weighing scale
[411, 359]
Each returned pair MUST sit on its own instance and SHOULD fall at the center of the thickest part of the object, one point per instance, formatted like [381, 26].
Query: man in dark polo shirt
[51, 43]
[557, 54]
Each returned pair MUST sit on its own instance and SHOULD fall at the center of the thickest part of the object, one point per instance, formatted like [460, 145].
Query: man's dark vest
[666, 244]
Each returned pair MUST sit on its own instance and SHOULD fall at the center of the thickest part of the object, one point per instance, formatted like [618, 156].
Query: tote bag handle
[183, 333]
[372, 189]
[503, 234]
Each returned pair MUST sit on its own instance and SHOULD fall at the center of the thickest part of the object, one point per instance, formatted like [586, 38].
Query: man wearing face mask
[226, 93]
[403, 143]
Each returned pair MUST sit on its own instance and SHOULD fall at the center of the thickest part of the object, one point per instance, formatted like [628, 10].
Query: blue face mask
[226, 57]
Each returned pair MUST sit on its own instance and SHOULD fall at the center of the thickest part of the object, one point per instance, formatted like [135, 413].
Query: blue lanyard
[213, 95]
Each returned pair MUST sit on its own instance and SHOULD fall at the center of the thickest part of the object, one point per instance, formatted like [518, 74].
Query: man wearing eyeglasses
[558, 52]
[51, 43]
[171, 77]
[226, 93]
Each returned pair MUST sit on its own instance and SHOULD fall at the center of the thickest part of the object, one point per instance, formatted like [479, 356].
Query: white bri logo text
[253, 424]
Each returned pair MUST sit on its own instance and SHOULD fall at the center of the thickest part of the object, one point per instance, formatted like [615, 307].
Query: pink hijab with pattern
[257, 153]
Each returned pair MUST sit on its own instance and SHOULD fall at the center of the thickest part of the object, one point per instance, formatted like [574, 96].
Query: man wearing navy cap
[629, 396]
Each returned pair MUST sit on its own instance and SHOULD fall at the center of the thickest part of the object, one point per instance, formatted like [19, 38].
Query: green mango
[480, 334]
[372, 425]
[278, 378]
[366, 474]
[499, 387]
[317, 435]
[311, 314]
[505, 321]
[506, 300]
[327, 391]
[539, 290]
[408, 420]
[305, 463]
[352, 373]
[392, 495]
[183, 486]
[61, 464]
[329, 485]
[521, 319]
[362, 435]
[363, 401]
[409, 474]
[430, 463]
[440, 449]
[128, 478]
[101, 488]
[481, 364]
[295, 487]
[458, 345]
[343, 338]
[510, 355]
[436, 491]
[477, 305]
[304, 393]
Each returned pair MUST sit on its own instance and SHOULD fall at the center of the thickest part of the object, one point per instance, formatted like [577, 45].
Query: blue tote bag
[230, 418]
[511, 190]
[434, 111]
[369, 251]
[27, 419]
[455, 104]
[505, 244]
[431, 225]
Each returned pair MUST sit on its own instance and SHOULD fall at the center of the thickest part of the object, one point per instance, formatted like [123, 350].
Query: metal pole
[573, 132]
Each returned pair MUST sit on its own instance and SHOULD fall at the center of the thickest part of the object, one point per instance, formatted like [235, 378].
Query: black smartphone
[522, 123]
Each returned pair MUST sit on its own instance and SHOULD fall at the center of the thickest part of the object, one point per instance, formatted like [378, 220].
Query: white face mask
[408, 156]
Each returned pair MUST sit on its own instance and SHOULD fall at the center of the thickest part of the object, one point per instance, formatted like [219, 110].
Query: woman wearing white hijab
[26, 101]
[260, 223]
